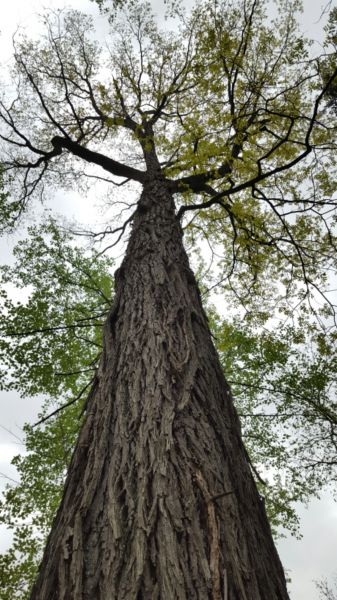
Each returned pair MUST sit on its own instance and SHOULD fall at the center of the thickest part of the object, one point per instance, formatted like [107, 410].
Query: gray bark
[159, 502]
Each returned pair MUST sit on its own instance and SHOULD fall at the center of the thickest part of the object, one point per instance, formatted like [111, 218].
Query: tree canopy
[234, 107]
[242, 118]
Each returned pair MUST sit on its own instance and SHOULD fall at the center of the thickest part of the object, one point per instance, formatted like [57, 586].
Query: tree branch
[55, 412]
[112, 166]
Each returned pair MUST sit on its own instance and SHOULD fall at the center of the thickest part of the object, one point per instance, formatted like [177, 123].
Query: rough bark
[159, 501]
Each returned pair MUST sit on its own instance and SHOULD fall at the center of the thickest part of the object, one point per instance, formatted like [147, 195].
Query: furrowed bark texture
[159, 501]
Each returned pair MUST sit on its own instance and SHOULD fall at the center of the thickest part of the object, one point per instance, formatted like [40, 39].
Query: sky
[313, 557]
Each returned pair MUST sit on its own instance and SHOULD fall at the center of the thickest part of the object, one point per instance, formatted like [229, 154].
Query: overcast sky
[313, 557]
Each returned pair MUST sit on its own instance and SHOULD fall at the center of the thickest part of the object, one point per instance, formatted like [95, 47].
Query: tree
[62, 318]
[273, 376]
[159, 499]
[326, 591]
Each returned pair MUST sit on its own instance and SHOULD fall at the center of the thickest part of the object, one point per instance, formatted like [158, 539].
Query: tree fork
[159, 501]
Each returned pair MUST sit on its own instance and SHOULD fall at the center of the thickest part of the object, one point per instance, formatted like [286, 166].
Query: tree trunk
[159, 502]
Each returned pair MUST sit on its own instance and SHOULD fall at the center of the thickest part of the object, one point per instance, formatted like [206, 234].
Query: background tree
[326, 591]
[52, 347]
[238, 156]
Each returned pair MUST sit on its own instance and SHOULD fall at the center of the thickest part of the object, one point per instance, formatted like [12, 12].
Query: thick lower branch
[108, 164]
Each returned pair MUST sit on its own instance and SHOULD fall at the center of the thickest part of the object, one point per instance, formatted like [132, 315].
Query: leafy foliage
[28, 508]
[285, 391]
[57, 276]
[327, 591]
[6, 206]
[50, 345]
[330, 63]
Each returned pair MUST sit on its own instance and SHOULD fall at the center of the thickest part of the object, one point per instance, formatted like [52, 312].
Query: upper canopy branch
[197, 182]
